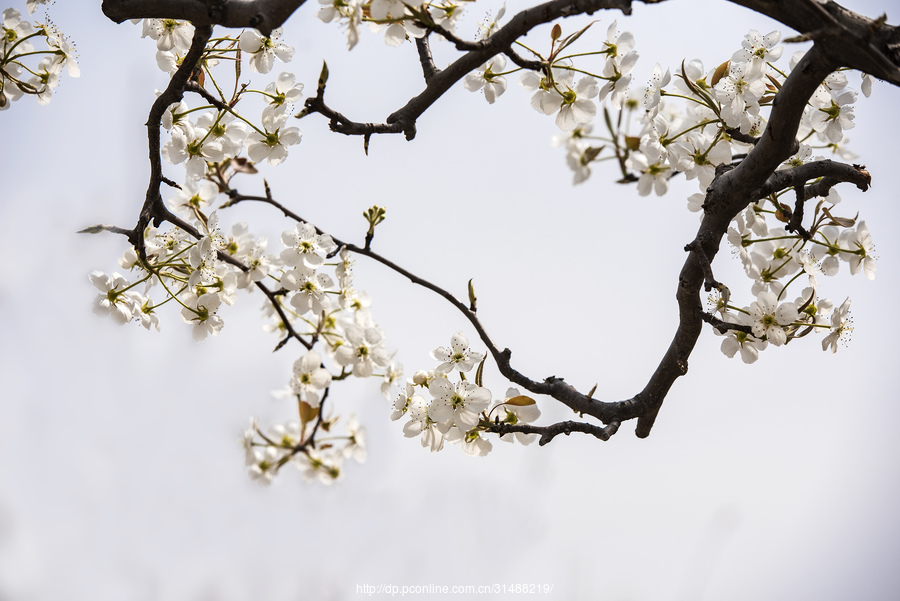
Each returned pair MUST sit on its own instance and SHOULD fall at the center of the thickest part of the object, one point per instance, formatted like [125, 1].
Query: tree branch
[429, 70]
[264, 15]
[849, 39]
[834, 170]
[153, 208]
[554, 387]
[548, 433]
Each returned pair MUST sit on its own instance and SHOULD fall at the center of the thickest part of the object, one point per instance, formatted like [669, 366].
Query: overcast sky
[121, 476]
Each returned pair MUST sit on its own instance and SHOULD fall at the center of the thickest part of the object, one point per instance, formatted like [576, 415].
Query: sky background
[121, 476]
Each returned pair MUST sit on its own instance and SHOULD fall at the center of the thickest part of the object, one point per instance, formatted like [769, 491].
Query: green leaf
[720, 72]
[307, 413]
[479, 373]
[569, 40]
[323, 78]
[841, 221]
[520, 401]
[555, 32]
[94, 229]
[688, 82]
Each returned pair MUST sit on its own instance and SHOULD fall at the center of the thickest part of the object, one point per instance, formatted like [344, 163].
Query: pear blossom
[112, 300]
[653, 176]
[271, 143]
[832, 114]
[841, 327]
[348, 11]
[653, 92]
[309, 378]
[31, 5]
[420, 424]
[576, 107]
[447, 13]
[405, 398]
[362, 350]
[472, 443]
[324, 466]
[194, 196]
[757, 51]
[305, 246]
[748, 344]
[486, 78]
[310, 289]
[488, 26]
[192, 144]
[201, 312]
[769, 318]
[859, 243]
[739, 95]
[458, 356]
[516, 413]
[392, 374]
[65, 52]
[697, 157]
[814, 311]
[224, 129]
[356, 441]
[460, 404]
[866, 85]
[169, 34]
[807, 260]
[547, 96]
[284, 90]
[263, 464]
[264, 50]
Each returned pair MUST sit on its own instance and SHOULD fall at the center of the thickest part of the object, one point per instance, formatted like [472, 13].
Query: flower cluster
[266, 452]
[200, 265]
[440, 410]
[723, 111]
[23, 42]
[397, 21]
[317, 301]
[774, 259]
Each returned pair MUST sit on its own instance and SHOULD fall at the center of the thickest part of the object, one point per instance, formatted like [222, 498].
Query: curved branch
[264, 15]
[731, 191]
[840, 172]
[850, 39]
[548, 433]
[153, 207]
[477, 53]
[557, 388]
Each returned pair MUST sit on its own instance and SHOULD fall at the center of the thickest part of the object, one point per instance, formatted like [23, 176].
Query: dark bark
[841, 39]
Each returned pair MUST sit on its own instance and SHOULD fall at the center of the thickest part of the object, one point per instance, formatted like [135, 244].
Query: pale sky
[121, 476]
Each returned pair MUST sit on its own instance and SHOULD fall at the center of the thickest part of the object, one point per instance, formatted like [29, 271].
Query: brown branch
[477, 53]
[342, 125]
[271, 295]
[429, 69]
[723, 326]
[153, 208]
[548, 433]
[849, 39]
[264, 15]
[796, 222]
[709, 282]
[731, 192]
[557, 388]
[826, 168]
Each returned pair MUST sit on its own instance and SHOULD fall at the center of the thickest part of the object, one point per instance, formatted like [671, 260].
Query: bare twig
[548, 433]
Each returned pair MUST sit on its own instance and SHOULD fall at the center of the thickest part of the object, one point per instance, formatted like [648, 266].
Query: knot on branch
[217, 10]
